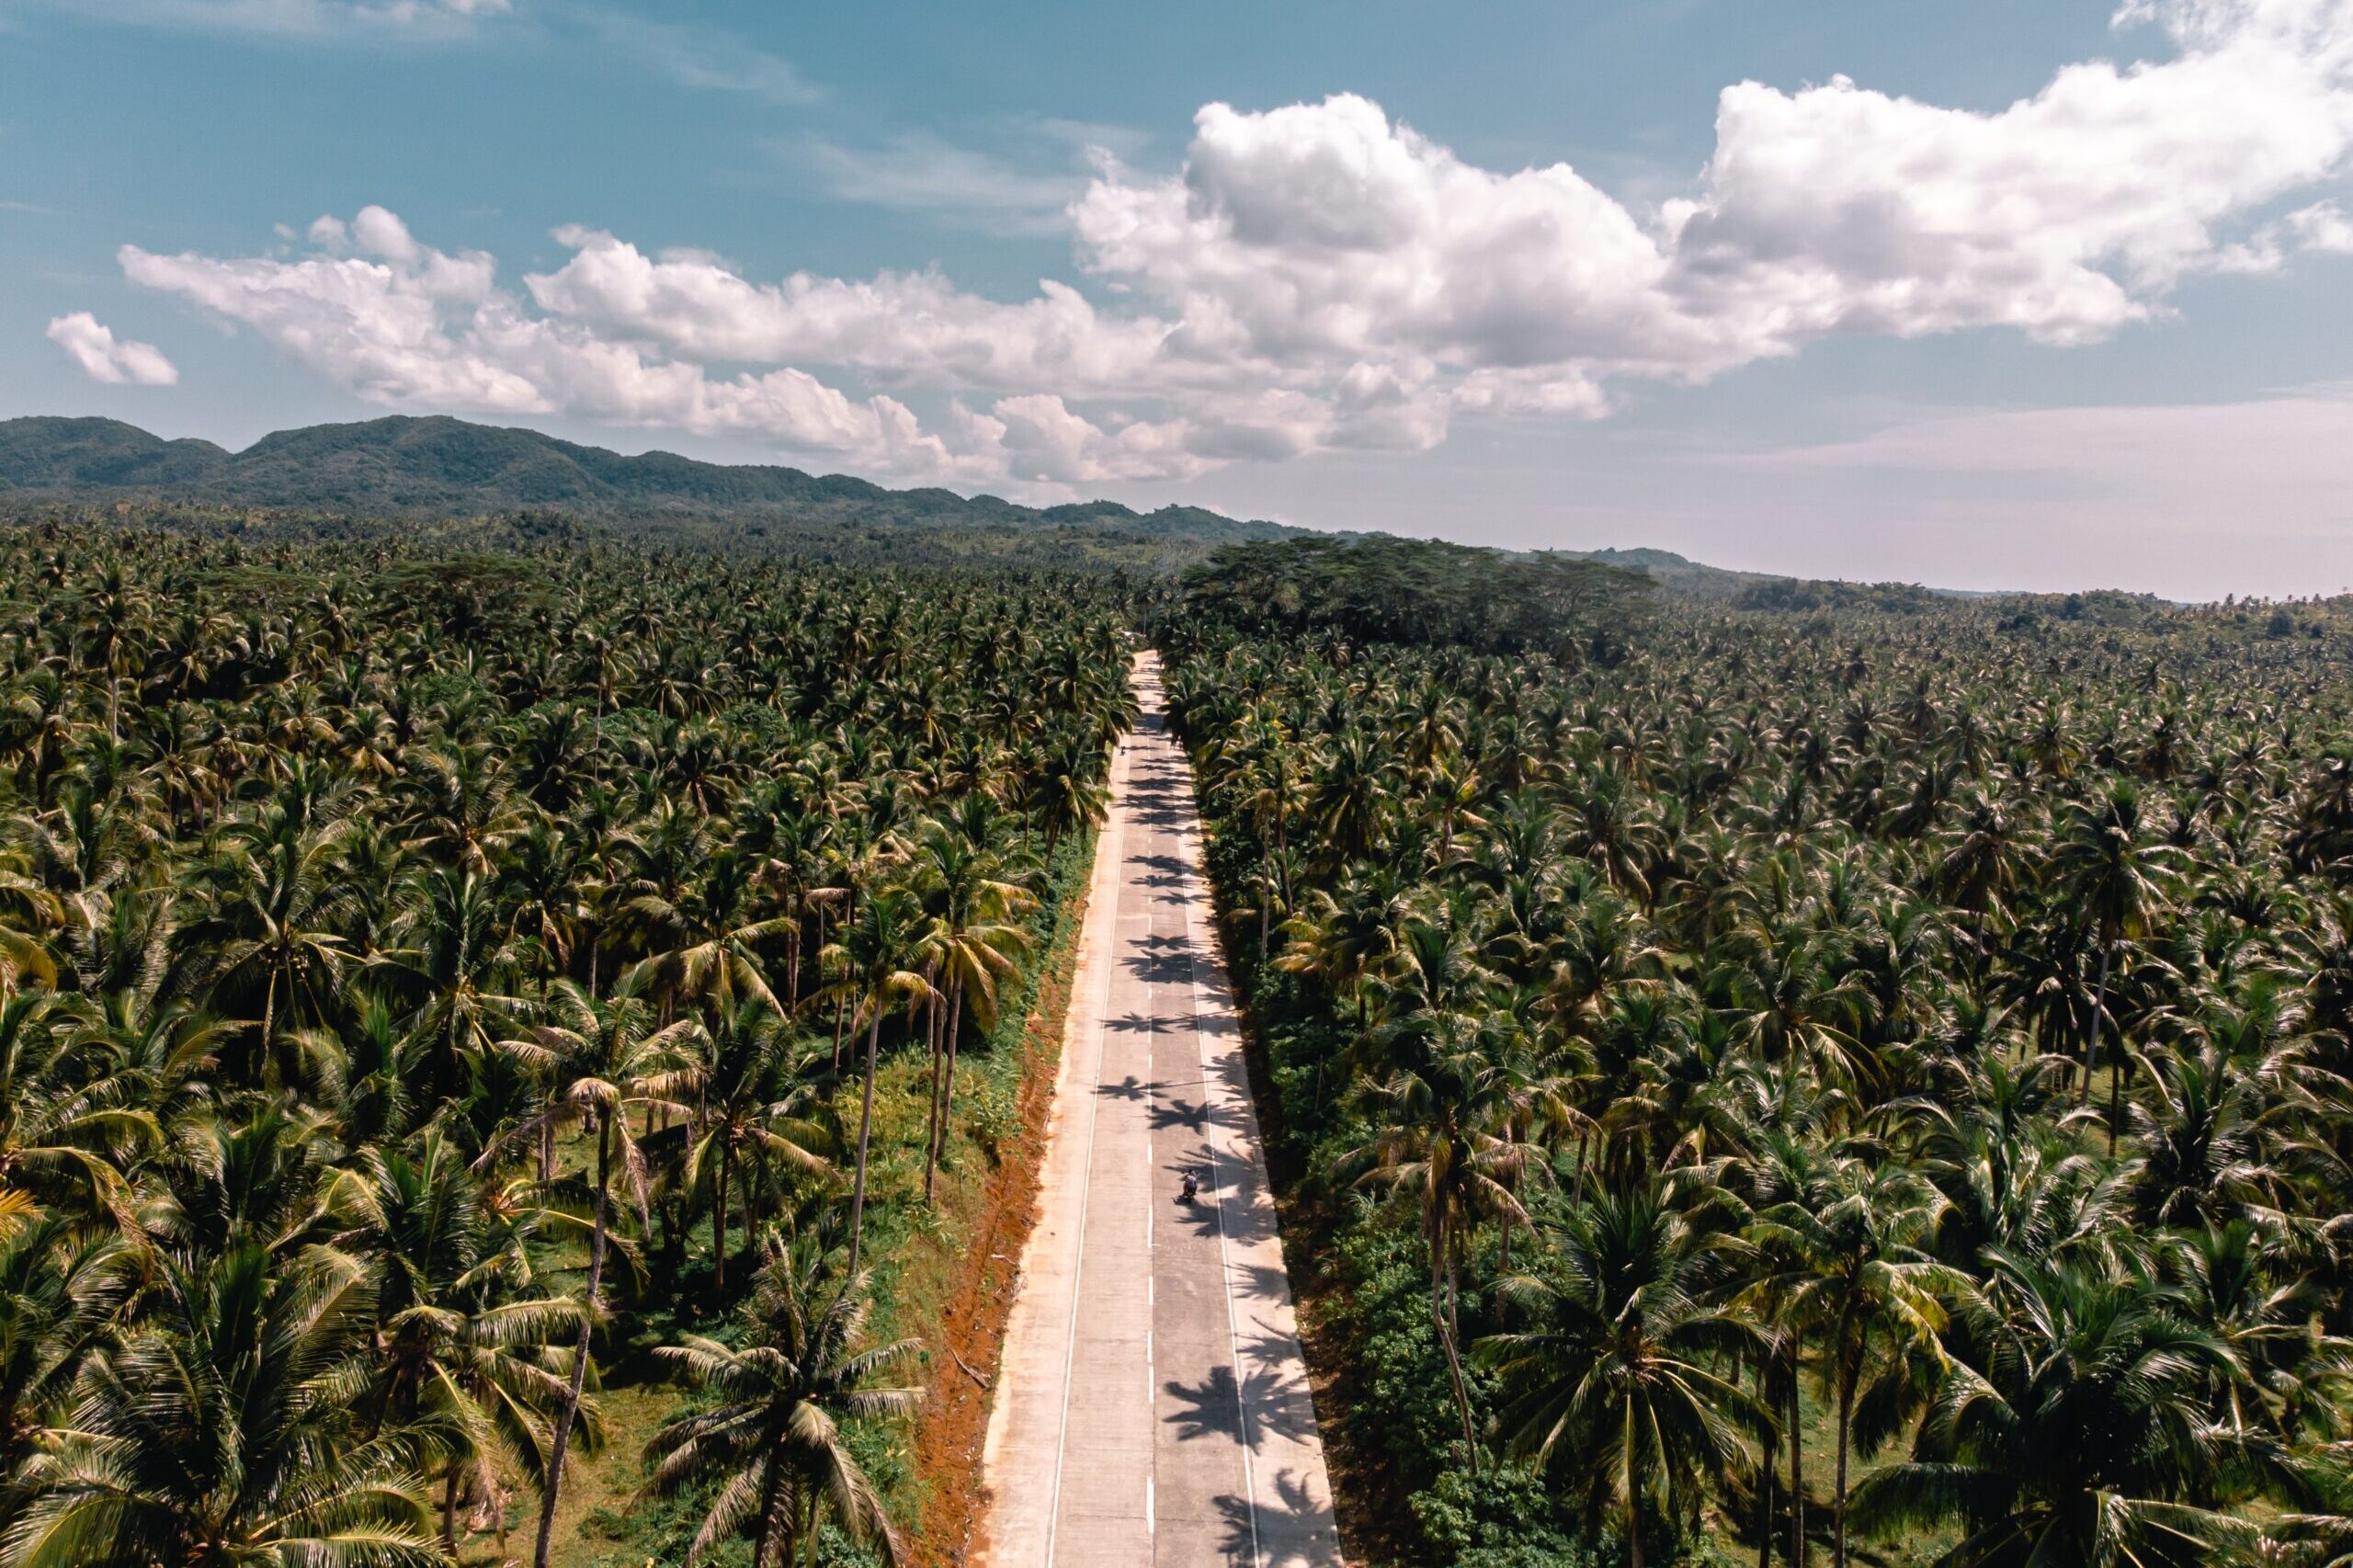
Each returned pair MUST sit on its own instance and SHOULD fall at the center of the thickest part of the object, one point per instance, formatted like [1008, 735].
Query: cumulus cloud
[1320, 277]
[105, 358]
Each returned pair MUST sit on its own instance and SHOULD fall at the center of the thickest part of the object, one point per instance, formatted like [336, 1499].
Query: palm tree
[273, 924]
[871, 958]
[601, 1059]
[1444, 1135]
[1851, 1275]
[2071, 1430]
[714, 954]
[222, 1433]
[2116, 883]
[971, 898]
[773, 1440]
[454, 1344]
[1612, 1388]
[751, 1115]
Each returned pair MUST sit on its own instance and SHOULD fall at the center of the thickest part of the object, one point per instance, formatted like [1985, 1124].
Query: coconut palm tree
[1851, 1275]
[2070, 1430]
[221, 1432]
[2116, 881]
[457, 1344]
[753, 1115]
[773, 1439]
[600, 1059]
[971, 896]
[1613, 1387]
[873, 961]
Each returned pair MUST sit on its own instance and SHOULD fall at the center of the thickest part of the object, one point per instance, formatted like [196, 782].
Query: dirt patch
[955, 1419]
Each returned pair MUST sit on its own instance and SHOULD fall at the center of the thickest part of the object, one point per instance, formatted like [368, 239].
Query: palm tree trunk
[771, 1493]
[450, 1510]
[932, 1045]
[1438, 1321]
[947, 1086]
[2119, 1070]
[865, 1127]
[552, 1489]
[1765, 1481]
[792, 958]
[719, 1225]
[1838, 1507]
[2091, 1038]
[1797, 1468]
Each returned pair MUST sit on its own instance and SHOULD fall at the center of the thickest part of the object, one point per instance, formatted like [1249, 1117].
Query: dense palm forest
[425, 974]
[1871, 1086]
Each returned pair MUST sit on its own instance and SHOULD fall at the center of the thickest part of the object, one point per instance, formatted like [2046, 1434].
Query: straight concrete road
[1153, 1406]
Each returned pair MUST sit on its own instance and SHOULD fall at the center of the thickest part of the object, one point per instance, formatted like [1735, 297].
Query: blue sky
[1995, 295]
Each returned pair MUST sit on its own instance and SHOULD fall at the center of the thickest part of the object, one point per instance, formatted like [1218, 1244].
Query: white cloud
[1320, 277]
[921, 173]
[693, 58]
[105, 358]
[295, 19]
[404, 324]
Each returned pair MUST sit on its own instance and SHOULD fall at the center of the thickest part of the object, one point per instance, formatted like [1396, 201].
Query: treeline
[1375, 588]
[425, 973]
[1133, 553]
[1837, 1086]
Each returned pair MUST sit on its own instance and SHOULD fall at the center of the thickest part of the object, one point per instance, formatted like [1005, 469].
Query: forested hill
[489, 487]
[447, 467]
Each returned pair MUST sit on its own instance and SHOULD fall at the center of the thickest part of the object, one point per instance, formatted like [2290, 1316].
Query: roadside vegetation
[466, 1016]
[1833, 1077]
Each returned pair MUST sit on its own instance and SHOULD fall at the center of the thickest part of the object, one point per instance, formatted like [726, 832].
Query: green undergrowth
[606, 1521]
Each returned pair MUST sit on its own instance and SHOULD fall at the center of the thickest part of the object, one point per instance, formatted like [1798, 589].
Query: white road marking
[1078, 1269]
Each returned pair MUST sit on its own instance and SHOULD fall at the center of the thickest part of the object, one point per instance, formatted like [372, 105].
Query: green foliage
[1889, 1048]
[511, 489]
[1375, 588]
[406, 950]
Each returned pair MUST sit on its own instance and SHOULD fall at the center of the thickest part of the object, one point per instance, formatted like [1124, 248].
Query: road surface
[1152, 1406]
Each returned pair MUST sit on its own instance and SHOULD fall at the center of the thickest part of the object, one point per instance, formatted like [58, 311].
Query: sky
[1994, 295]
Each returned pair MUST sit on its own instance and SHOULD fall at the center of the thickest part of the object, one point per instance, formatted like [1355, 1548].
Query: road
[1153, 1406]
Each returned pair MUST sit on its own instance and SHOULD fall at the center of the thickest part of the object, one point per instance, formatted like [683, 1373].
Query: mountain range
[443, 469]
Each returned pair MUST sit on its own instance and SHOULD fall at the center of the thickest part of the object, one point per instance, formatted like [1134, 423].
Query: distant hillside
[449, 467]
[490, 486]
[1677, 574]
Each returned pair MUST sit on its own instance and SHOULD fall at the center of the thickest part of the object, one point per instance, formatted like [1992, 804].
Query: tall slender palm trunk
[719, 1223]
[551, 1491]
[2091, 1036]
[1442, 1321]
[1766, 1477]
[1797, 1471]
[1839, 1507]
[946, 1088]
[865, 1127]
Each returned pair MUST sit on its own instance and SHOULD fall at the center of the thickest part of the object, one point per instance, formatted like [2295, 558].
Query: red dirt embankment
[995, 1216]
